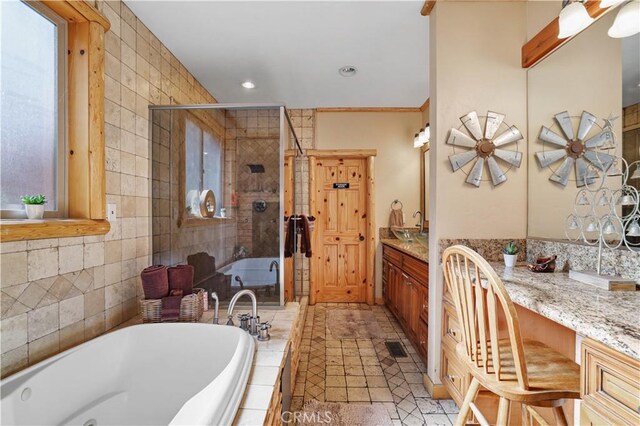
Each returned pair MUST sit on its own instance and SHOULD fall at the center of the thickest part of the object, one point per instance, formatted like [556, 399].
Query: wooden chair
[514, 369]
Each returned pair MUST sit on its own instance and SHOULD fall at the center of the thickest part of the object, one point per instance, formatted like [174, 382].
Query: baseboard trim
[437, 391]
[379, 301]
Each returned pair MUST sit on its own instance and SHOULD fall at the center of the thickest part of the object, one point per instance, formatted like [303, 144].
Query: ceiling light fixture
[627, 22]
[348, 71]
[573, 19]
[248, 84]
[422, 137]
[609, 3]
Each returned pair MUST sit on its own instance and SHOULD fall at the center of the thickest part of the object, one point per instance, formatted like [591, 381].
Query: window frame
[185, 218]
[85, 152]
[60, 163]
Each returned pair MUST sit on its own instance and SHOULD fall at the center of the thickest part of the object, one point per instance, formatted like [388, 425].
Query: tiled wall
[304, 123]
[57, 293]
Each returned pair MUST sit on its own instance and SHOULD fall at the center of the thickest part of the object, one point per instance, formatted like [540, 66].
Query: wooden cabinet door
[385, 282]
[423, 296]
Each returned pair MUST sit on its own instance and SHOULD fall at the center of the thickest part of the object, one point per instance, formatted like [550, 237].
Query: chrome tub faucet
[253, 321]
[214, 296]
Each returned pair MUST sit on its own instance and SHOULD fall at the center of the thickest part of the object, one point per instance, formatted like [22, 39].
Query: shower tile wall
[303, 121]
[57, 293]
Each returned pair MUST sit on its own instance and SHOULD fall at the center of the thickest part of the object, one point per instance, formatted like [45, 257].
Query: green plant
[511, 248]
[33, 199]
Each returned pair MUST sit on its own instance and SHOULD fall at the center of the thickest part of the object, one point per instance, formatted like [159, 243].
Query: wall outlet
[111, 212]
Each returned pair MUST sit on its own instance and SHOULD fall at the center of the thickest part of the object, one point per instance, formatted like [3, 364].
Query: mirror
[592, 72]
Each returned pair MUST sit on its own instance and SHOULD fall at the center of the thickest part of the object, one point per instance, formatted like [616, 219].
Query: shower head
[256, 168]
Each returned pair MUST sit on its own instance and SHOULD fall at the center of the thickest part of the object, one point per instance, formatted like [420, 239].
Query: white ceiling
[292, 50]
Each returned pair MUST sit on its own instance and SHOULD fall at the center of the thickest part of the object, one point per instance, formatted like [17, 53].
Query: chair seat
[552, 376]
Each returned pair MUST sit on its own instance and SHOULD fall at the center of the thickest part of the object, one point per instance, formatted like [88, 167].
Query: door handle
[361, 238]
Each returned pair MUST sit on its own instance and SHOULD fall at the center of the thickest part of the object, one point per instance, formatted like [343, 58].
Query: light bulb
[609, 3]
[627, 22]
[416, 141]
[427, 134]
[634, 229]
[573, 19]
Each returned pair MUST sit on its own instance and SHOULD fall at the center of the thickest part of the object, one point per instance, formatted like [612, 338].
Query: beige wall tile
[13, 332]
[13, 246]
[43, 321]
[13, 268]
[94, 326]
[71, 310]
[70, 258]
[93, 302]
[72, 335]
[44, 347]
[14, 360]
[42, 263]
[93, 254]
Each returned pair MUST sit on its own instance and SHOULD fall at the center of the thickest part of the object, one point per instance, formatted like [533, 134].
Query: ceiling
[292, 50]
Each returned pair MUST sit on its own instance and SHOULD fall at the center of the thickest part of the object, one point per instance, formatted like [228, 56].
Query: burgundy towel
[181, 278]
[171, 308]
[305, 243]
[290, 236]
[155, 282]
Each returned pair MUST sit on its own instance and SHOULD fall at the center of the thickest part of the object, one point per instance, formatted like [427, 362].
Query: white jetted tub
[150, 374]
[253, 271]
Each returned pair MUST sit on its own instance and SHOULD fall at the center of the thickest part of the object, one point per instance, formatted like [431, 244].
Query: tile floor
[363, 371]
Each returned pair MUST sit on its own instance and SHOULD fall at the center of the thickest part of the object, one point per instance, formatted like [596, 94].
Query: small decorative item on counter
[543, 264]
[34, 205]
[223, 212]
[510, 253]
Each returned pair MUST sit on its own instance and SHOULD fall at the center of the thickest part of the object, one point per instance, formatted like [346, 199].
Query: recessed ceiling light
[348, 71]
[248, 84]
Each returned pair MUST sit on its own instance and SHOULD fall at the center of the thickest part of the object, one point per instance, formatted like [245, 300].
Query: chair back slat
[480, 298]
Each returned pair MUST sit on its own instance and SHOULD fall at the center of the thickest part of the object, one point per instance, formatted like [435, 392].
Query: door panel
[342, 227]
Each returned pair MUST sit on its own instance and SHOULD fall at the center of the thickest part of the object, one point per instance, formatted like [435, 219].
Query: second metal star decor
[485, 147]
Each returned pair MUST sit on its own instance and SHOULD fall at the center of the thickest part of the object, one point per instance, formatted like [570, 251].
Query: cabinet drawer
[450, 327]
[392, 255]
[610, 386]
[453, 376]
[416, 268]
[423, 301]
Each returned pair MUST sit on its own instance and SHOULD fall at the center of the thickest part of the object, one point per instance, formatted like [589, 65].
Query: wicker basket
[191, 308]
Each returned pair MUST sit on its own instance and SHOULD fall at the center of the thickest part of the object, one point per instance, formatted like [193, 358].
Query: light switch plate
[111, 212]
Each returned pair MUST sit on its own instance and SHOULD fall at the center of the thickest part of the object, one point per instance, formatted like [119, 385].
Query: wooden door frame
[368, 155]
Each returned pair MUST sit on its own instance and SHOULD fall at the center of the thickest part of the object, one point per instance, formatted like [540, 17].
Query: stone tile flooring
[362, 370]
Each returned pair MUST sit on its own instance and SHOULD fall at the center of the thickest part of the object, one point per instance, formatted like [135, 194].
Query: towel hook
[396, 202]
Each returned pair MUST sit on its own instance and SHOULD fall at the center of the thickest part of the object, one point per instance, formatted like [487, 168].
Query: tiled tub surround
[610, 317]
[57, 293]
[361, 371]
[583, 257]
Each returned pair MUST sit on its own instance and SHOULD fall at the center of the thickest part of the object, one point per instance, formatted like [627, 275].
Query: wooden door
[340, 187]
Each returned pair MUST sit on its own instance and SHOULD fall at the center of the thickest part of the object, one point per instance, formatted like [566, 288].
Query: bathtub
[150, 374]
[253, 271]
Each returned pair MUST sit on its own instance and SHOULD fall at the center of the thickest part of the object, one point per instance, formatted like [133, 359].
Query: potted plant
[510, 253]
[34, 205]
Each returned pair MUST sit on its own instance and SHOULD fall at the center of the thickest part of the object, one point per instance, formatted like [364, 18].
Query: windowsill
[26, 229]
[202, 221]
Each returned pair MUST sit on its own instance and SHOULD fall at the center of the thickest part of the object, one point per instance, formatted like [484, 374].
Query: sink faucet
[421, 223]
[277, 266]
[214, 296]
[253, 326]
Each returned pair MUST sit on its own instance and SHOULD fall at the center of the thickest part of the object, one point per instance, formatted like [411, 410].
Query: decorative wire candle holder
[607, 217]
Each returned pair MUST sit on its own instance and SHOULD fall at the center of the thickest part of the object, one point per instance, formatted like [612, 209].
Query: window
[204, 159]
[33, 51]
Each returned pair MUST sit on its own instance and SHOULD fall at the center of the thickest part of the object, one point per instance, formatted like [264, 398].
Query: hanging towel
[305, 241]
[155, 282]
[289, 236]
[396, 218]
[181, 278]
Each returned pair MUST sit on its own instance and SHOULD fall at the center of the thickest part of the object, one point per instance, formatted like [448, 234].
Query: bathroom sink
[403, 234]
[422, 238]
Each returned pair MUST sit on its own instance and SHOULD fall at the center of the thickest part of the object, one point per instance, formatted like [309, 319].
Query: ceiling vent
[348, 71]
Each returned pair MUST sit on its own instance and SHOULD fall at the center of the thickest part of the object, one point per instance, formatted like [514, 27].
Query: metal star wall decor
[576, 151]
[484, 148]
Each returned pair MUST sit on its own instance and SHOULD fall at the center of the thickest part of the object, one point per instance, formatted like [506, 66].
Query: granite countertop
[412, 249]
[610, 317]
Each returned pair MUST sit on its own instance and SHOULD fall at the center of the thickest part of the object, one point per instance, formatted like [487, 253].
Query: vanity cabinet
[405, 292]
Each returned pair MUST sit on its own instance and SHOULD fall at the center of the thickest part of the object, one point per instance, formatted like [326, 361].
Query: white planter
[34, 211]
[510, 260]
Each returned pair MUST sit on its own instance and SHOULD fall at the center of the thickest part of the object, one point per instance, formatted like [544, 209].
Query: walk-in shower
[220, 193]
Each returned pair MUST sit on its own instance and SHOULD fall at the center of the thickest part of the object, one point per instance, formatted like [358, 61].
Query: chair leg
[474, 387]
[561, 418]
[503, 411]
[525, 415]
